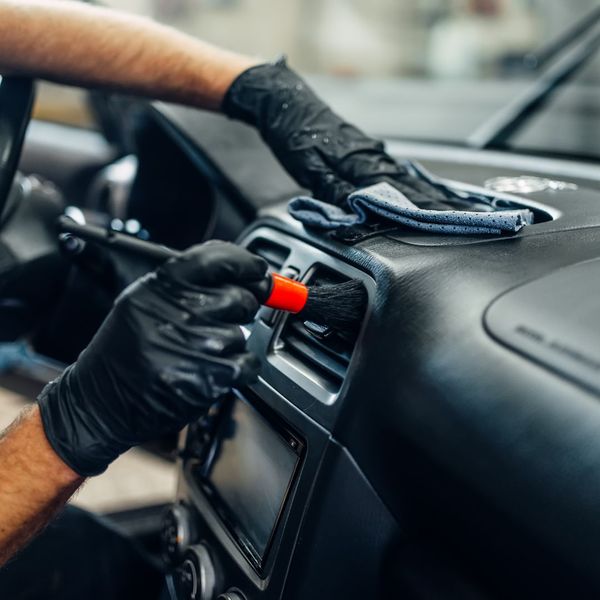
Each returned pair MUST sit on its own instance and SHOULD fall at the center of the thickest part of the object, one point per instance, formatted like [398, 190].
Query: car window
[570, 123]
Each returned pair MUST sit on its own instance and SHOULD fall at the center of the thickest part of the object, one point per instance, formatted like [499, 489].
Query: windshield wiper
[496, 131]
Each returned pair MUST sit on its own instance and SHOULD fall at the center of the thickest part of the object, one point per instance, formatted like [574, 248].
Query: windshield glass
[429, 69]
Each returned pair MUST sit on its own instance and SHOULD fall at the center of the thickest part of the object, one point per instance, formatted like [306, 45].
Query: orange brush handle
[287, 294]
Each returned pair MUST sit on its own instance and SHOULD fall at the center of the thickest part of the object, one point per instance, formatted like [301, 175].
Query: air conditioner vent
[273, 253]
[315, 347]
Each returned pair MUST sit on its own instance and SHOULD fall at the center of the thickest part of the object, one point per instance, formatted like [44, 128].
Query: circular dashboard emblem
[526, 184]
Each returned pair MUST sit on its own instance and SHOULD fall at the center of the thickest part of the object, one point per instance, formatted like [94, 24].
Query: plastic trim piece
[287, 370]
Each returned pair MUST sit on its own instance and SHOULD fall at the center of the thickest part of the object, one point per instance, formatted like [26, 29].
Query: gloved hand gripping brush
[170, 347]
[340, 305]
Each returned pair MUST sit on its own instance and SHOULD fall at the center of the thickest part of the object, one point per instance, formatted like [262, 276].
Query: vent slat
[328, 357]
[319, 360]
[332, 347]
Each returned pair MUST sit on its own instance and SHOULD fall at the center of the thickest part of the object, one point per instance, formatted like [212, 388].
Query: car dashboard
[451, 448]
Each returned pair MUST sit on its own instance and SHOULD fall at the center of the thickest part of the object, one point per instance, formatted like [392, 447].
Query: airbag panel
[555, 320]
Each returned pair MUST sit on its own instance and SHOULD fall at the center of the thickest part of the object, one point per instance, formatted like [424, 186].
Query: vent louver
[316, 348]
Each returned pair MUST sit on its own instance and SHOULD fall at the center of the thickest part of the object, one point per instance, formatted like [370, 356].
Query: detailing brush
[340, 306]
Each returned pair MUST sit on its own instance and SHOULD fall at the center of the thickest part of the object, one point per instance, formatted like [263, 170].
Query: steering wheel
[16, 103]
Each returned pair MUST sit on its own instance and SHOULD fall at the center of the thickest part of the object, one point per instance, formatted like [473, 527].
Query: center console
[241, 467]
[248, 474]
[262, 469]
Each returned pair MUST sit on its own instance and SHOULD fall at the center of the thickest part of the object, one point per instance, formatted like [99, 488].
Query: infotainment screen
[250, 473]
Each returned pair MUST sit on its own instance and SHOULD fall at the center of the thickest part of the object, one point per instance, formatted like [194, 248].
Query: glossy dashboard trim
[291, 377]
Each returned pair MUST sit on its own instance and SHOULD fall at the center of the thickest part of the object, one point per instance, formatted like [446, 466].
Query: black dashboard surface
[461, 432]
[441, 415]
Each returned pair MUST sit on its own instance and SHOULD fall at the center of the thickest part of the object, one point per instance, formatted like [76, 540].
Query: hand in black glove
[317, 147]
[170, 347]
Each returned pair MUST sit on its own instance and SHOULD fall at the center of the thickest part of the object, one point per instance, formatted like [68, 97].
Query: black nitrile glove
[170, 347]
[317, 147]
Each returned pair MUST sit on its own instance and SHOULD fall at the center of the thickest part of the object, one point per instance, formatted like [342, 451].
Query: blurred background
[400, 57]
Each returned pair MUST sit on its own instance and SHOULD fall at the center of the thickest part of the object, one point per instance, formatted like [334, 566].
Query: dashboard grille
[315, 347]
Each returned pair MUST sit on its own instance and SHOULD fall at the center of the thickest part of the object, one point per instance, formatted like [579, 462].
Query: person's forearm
[88, 46]
[34, 482]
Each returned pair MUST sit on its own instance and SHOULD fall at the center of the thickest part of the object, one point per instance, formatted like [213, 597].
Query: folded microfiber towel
[382, 200]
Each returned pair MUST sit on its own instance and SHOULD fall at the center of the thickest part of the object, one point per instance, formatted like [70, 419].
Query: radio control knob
[195, 577]
[231, 596]
[178, 532]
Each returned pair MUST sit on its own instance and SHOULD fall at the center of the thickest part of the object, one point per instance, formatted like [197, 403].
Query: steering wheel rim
[17, 95]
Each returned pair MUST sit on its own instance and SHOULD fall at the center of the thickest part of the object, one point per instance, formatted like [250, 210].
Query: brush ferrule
[286, 294]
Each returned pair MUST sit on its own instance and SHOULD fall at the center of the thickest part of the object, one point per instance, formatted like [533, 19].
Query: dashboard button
[178, 532]
[231, 596]
[186, 580]
[195, 577]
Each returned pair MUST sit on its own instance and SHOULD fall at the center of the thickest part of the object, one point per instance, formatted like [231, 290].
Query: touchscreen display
[250, 474]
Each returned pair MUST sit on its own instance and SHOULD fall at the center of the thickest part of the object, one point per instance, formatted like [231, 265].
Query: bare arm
[34, 482]
[87, 46]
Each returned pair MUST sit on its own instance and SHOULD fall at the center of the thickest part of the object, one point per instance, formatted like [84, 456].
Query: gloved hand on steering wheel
[170, 347]
[324, 153]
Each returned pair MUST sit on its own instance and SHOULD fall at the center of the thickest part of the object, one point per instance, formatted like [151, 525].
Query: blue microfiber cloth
[383, 201]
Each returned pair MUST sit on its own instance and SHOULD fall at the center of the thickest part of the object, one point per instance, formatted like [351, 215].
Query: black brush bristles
[339, 305]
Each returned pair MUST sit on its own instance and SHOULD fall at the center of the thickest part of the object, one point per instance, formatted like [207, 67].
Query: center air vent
[319, 351]
[307, 363]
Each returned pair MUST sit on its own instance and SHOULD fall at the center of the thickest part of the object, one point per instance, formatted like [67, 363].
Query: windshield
[428, 70]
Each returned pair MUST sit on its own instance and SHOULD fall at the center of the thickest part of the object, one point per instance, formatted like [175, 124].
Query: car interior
[448, 449]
